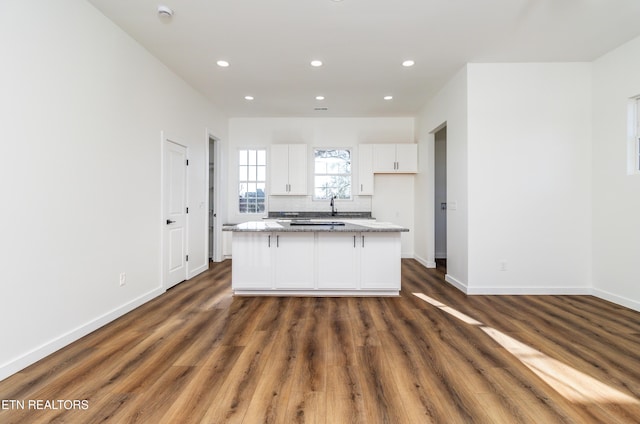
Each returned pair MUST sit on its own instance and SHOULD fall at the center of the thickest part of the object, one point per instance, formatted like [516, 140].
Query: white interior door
[175, 212]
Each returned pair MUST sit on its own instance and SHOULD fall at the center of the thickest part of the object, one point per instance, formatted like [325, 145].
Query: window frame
[316, 174]
[260, 202]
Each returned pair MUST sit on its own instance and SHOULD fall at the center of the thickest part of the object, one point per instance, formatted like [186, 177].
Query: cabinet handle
[361, 189]
[277, 241]
[362, 241]
[354, 242]
[269, 241]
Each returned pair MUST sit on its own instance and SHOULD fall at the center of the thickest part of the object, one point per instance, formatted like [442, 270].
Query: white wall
[448, 106]
[82, 110]
[394, 194]
[529, 177]
[616, 195]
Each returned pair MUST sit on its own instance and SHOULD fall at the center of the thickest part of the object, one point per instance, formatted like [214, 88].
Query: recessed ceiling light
[248, 97]
[319, 97]
[316, 63]
[408, 63]
[222, 63]
[388, 97]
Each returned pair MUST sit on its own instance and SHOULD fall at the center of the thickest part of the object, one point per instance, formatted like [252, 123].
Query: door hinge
[187, 258]
[187, 210]
[187, 162]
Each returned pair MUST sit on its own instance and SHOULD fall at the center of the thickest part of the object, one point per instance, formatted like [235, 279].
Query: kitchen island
[315, 257]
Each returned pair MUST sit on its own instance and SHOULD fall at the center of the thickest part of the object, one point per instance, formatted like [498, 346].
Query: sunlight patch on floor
[572, 384]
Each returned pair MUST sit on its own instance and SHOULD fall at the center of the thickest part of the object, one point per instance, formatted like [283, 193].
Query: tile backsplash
[307, 204]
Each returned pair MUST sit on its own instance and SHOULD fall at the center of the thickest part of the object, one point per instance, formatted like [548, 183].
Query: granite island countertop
[316, 225]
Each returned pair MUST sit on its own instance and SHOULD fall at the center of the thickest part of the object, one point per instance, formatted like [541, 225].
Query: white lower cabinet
[380, 261]
[293, 260]
[337, 255]
[316, 263]
[251, 265]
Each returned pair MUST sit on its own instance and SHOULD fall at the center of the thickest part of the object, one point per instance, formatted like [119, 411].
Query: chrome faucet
[333, 209]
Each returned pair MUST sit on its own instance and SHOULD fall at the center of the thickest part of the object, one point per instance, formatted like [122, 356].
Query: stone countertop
[359, 226]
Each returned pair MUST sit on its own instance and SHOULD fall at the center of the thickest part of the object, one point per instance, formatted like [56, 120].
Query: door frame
[217, 196]
[164, 139]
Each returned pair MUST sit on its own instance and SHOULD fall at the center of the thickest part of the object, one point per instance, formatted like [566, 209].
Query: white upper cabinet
[395, 158]
[365, 169]
[288, 169]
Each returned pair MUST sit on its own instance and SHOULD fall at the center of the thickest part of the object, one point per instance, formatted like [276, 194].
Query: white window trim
[237, 165]
[313, 195]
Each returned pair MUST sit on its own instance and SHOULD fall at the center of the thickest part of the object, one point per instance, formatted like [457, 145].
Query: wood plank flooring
[198, 355]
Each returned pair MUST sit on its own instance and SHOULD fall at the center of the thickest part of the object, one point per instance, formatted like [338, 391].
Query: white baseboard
[425, 263]
[618, 300]
[456, 283]
[199, 270]
[48, 348]
[528, 291]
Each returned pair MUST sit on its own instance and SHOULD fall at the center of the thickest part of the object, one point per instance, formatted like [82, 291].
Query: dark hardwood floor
[433, 355]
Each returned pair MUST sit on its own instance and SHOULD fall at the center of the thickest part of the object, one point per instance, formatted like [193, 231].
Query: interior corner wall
[529, 178]
[448, 106]
[83, 106]
[616, 194]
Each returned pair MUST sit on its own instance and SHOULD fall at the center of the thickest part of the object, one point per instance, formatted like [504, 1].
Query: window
[252, 165]
[332, 174]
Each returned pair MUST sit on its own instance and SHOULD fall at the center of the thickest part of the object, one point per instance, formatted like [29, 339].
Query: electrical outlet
[503, 266]
[123, 278]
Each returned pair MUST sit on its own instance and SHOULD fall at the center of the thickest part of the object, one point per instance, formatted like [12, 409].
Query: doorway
[212, 199]
[440, 201]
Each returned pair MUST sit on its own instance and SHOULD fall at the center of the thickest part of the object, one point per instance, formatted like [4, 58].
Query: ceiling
[362, 43]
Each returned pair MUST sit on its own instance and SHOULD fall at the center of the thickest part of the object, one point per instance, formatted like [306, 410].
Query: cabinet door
[279, 169]
[337, 260]
[380, 261]
[297, 169]
[384, 158]
[294, 259]
[407, 158]
[365, 169]
[251, 267]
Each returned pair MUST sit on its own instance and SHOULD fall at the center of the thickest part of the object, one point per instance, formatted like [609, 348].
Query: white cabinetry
[365, 169]
[252, 264]
[293, 260]
[337, 255]
[380, 261]
[316, 263]
[266, 261]
[288, 169]
[395, 158]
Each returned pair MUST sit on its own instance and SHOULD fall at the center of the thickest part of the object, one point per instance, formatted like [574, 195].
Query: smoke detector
[165, 12]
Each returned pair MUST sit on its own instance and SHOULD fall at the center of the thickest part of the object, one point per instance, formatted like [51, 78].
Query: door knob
[170, 221]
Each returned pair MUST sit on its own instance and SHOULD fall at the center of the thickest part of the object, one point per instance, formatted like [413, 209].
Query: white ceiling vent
[320, 108]
[165, 12]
